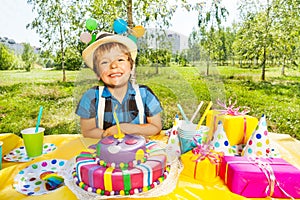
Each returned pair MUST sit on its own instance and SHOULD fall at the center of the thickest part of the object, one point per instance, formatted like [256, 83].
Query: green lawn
[21, 94]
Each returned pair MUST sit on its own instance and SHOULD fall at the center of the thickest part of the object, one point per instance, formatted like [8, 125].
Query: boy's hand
[110, 131]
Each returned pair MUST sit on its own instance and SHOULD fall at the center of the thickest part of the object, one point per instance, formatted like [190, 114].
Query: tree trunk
[263, 65]
[283, 68]
[62, 51]
[207, 67]
[130, 25]
[129, 14]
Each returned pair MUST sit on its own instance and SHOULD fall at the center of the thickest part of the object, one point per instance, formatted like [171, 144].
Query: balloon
[85, 37]
[93, 38]
[120, 26]
[91, 24]
[138, 31]
[133, 38]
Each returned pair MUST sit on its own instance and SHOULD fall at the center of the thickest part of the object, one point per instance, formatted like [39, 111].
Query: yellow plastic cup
[1, 143]
[33, 141]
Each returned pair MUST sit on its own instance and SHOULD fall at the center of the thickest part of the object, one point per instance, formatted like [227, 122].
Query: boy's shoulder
[146, 89]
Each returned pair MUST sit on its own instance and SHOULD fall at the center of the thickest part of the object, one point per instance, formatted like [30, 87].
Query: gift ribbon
[231, 110]
[267, 169]
[204, 150]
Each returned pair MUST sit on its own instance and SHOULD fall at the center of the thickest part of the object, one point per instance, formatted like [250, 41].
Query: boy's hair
[105, 48]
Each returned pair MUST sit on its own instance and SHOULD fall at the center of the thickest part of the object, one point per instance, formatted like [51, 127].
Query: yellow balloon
[138, 31]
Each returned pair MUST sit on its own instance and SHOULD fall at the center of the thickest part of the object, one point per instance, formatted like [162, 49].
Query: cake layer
[108, 180]
[114, 179]
[121, 153]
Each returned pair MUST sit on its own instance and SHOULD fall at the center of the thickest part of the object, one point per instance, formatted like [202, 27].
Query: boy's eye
[104, 62]
[121, 59]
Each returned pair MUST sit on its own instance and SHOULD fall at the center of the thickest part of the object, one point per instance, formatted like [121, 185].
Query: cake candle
[120, 135]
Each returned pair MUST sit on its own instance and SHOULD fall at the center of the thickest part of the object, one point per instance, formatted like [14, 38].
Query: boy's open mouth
[115, 75]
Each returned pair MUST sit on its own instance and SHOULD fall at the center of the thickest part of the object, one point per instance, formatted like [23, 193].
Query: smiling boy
[138, 110]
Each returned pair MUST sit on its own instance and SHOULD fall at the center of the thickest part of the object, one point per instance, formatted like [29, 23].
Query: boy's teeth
[113, 75]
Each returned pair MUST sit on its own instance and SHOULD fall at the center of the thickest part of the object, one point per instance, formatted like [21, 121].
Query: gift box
[238, 128]
[260, 177]
[202, 169]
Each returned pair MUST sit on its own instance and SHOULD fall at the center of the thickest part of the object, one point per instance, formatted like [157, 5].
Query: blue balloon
[120, 26]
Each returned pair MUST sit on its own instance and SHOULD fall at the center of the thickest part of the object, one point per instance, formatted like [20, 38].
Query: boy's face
[114, 68]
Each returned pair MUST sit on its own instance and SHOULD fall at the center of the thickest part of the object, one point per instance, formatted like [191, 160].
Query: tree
[209, 22]
[28, 56]
[6, 58]
[73, 59]
[269, 32]
[53, 24]
[286, 33]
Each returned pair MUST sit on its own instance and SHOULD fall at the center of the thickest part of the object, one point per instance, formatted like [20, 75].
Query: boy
[138, 110]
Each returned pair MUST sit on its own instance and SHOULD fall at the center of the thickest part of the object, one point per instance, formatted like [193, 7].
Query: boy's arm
[89, 129]
[152, 127]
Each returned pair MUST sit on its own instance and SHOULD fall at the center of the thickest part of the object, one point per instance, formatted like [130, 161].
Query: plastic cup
[33, 141]
[1, 143]
[187, 132]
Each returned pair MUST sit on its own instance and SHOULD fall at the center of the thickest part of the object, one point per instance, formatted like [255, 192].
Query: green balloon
[91, 24]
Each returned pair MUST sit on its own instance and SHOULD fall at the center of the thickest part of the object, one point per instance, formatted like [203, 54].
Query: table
[70, 145]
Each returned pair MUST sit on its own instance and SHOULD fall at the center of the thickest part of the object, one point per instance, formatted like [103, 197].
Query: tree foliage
[210, 20]
[7, 58]
[54, 24]
[28, 56]
[269, 31]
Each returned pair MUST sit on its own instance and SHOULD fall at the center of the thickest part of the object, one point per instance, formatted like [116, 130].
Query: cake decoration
[136, 168]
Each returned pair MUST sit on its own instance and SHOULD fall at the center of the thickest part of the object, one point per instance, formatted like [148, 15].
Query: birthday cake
[125, 166]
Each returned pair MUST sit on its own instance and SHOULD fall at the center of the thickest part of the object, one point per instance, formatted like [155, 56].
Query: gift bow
[204, 150]
[231, 110]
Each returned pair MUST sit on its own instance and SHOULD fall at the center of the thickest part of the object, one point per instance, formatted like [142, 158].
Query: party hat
[173, 145]
[258, 144]
[220, 141]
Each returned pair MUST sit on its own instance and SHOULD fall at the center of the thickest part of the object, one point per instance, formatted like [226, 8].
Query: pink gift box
[245, 177]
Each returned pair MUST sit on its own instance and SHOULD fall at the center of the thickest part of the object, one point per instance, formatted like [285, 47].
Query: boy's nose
[114, 64]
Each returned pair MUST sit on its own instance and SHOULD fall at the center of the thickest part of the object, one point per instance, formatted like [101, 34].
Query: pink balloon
[85, 37]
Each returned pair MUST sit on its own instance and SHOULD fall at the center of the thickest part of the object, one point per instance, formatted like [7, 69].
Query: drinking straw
[120, 135]
[204, 115]
[196, 112]
[183, 114]
[39, 119]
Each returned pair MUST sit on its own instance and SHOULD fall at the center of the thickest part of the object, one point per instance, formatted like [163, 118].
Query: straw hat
[103, 38]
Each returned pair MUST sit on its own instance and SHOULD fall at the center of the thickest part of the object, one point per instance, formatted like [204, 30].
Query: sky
[16, 14]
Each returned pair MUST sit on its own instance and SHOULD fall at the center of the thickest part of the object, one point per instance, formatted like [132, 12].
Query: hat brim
[88, 53]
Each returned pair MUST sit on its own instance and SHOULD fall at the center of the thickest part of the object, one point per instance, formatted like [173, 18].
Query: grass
[21, 94]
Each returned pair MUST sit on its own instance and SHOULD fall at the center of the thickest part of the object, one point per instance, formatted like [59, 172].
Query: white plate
[19, 154]
[28, 180]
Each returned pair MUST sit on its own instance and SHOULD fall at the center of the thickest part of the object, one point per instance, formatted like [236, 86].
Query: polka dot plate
[29, 182]
[19, 154]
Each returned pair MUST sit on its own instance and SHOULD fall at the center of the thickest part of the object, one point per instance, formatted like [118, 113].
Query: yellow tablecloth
[69, 146]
